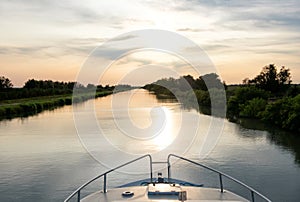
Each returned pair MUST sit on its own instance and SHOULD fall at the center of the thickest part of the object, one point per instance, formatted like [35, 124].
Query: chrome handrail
[168, 162]
[252, 191]
[77, 191]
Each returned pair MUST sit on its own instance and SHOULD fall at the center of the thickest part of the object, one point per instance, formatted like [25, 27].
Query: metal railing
[78, 191]
[221, 175]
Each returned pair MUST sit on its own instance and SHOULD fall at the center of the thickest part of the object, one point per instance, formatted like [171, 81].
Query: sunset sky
[51, 39]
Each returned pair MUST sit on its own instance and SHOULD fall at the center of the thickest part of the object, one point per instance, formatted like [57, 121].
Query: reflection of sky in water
[137, 120]
[42, 159]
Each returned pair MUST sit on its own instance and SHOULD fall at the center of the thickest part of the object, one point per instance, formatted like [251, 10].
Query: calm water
[43, 159]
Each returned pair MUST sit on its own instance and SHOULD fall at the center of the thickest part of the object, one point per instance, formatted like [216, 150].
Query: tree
[186, 83]
[191, 81]
[270, 80]
[31, 83]
[284, 78]
[210, 80]
[5, 83]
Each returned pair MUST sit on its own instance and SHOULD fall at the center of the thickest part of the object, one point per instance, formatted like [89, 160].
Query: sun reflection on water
[141, 124]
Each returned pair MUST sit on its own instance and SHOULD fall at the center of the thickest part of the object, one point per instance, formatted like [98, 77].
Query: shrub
[245, 94]
[202, 97]
[253, 108]
[233, 107]
[285, 113]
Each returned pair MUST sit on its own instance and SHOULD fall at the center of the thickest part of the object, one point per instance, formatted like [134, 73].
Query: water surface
[43, 159]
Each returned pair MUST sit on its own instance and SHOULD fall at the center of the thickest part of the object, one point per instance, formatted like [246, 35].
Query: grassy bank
[30, 106]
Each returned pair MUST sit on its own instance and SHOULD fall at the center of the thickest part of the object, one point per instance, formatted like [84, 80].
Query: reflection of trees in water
[286, 140]
[190, 105]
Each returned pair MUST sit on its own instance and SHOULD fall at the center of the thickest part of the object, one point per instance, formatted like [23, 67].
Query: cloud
[130, 60]
[57, 13]
[216, 47]
[85, 41]
[9, 50]
[175, 5]
[192, 30]
[123, 38]
[55, 49]
[111, 53]
[42, 28]
[260, 15]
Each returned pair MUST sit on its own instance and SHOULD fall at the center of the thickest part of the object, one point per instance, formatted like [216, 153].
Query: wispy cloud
[230, 29]
[188, 30]
[122, 38]
[8, 50]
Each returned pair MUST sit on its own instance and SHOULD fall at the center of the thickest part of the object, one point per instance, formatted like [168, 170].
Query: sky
[45, 39]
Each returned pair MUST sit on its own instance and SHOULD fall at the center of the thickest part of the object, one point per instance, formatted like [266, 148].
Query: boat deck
[164, 192]
[165, 189]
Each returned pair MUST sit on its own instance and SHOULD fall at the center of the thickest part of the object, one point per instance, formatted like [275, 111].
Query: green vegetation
[38, 88]
[246, 101]
[269, 97]
[271, 80]
[284, 112]
[186, 88]
[31, 106]
[36, 96]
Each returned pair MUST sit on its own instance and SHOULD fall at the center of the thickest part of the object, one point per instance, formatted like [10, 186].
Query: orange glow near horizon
[54, 43]
[20, 68]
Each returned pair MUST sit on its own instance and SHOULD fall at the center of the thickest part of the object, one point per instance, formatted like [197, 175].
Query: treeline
[270, 96]
[38, 95]
[186, 87]
[193, 93]
[32, 106]
[37, 88]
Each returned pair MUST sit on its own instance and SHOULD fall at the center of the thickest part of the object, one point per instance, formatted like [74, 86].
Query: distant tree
[211, 80]
[270, 80]
[78, 85]
[191, 81]
[70, 85]
[91, 86]
[284, 78]
[31, 83]
[185, 83]
[5, 83]
[246, 81]
[201, 84]
[100, 87]
[267, 79]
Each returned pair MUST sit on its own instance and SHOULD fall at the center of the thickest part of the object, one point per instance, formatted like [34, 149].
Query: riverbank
[30, 106]
[252, 104]
[242, 101]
